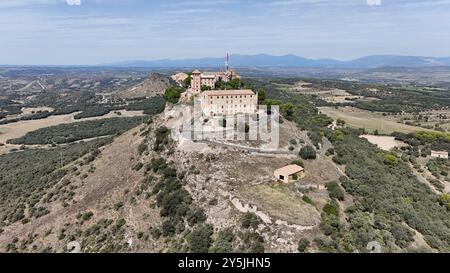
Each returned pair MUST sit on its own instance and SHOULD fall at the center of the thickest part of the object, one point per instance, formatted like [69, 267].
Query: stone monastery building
[222, 102]
[229, 102]
[209, 79]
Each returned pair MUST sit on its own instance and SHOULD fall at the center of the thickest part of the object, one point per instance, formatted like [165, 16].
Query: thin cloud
[374, 2]
[73, 2]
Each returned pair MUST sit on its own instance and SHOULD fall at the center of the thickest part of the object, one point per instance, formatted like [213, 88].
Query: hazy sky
[102, 31]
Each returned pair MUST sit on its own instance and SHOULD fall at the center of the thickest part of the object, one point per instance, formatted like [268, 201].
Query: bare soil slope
[107, 192]
[154, 85]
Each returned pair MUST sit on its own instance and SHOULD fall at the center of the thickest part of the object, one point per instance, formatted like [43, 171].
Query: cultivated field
[329, 95]
[383, 142]
[428, 119]
[371, 121]
[19, 129]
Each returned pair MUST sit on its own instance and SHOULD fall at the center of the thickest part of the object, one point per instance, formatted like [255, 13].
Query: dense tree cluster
[67, 133]
[40, 115]
[86, 103]
[150, 106]
[185, 223]
[386, 195]
[28, 177]
[173, 94]
[232, 84]
[391, 99]
[389, 202]
[161, 138]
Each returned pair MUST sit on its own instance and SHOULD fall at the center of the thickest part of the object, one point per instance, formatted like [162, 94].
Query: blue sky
[103, 31]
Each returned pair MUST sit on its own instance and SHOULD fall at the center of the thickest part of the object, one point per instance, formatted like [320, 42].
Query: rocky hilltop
[154, 85]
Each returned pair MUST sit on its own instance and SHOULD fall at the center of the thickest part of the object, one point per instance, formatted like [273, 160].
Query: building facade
[289, 173]
[209, 79]
[228, 102]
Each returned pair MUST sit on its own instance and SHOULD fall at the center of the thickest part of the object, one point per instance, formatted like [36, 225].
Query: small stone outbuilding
[289, 173]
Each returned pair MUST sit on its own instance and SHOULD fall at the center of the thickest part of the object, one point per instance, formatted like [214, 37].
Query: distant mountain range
[265, 60]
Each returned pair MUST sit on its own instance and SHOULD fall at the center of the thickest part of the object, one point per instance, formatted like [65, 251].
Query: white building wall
[229, 104]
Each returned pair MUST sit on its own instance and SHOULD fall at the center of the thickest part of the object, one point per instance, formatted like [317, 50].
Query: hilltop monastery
[222, 102]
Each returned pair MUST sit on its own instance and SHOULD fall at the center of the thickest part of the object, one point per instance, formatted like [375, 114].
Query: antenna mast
[226, 62]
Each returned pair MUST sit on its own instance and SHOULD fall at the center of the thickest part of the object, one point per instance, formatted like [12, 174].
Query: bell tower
[196, 82]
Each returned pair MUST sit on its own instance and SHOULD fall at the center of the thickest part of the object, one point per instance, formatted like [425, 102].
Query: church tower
[196, 82]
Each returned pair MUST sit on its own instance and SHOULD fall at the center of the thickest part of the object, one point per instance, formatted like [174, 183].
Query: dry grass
[112, 181]
[19, 129]
[383, 142]
[371, 121]
[281, 202]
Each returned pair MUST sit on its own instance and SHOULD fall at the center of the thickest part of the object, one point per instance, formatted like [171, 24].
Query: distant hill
[265, 60]
[397, 61]
[154, 85]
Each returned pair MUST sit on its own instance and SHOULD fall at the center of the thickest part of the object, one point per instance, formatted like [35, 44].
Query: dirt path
[249, 149]
[422, 179]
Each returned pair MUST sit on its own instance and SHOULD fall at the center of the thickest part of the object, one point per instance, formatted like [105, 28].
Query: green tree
[199, 240]
[444, 200]
[168, 229]
[253, 242]
[303, 244]
[287, 109]
[224, 241]
[331, 208]
[205, 88]
[261, 96]
[187, 81]
[250, 220]
[340, 122]
[235, 84]
[87, 216]
[390, 160]
[335, 191]
[308, 152]
[329, 152]
[196, 216]
[298, 162]
[308, 199]
[173, 94]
